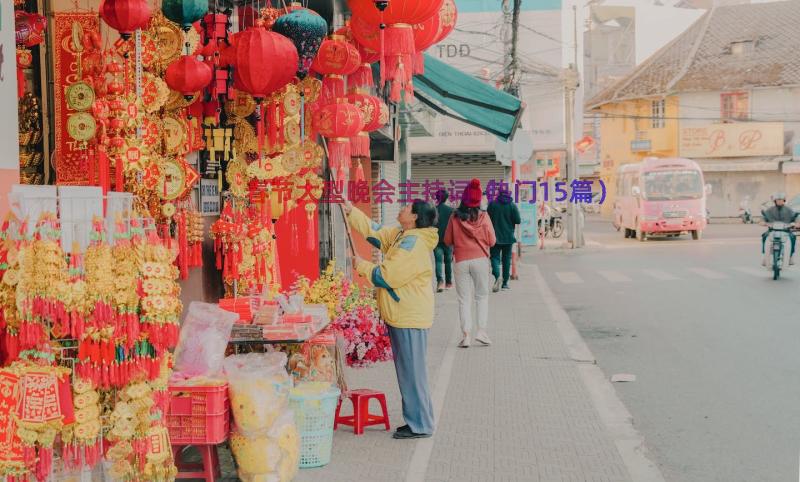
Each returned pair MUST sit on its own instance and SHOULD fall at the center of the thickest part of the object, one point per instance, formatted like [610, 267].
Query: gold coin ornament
[80, 96]
[242, 106]
[312, 154]
[177, 178]
[244, 137]
[237, 177]
[292, 131]
[176, 100]
[81, 126]
[174, 132]
[311, 88]
[292, 160]
[168, 210]
[291, 102]
[155, 93]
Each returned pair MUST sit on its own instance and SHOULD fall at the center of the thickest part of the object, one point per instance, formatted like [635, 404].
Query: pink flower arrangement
[355, 316]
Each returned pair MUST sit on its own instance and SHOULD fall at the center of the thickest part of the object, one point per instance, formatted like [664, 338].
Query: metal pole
[571, 161]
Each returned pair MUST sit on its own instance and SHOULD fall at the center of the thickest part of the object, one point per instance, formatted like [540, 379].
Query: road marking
[752, 271]
[613, 276]
[568, 277]
[660, 275]
[613, 413]
[418, 466]
[707, 273]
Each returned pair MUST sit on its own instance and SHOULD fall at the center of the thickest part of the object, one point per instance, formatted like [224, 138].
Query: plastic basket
[198, 415]
[313, 415]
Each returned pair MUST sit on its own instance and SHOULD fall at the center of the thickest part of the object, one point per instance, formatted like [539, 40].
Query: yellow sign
[744, 139]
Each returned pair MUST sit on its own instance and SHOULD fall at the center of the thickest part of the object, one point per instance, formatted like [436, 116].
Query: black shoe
[404, 428]
[409, 435]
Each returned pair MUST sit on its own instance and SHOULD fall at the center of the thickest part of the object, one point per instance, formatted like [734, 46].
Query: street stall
[162, 140]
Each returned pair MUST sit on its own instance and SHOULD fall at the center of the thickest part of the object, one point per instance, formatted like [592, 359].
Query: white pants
[472, 287]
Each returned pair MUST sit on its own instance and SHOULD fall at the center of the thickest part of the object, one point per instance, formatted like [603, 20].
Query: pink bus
[661, 197]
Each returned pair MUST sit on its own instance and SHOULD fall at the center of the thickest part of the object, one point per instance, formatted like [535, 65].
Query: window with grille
[658, 113]
[734, 106]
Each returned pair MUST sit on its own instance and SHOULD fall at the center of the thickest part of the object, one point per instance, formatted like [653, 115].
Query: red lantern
[375, 115]
[424, 37]
[338, 122]
[335, 59]
[188, 75]
[126, 16]
[398, 11]
[362, 77]
[448, 16]
[263, 61]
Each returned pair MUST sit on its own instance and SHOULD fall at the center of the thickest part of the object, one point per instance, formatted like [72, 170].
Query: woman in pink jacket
[471, 234]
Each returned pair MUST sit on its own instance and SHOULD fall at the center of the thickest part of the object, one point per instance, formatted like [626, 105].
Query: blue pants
[410, 348]
[443, 254]
[501, 253]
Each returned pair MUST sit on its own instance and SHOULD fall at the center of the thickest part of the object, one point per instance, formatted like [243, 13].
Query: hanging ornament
[184, 12]
[338, 122]
[375, 115]
[433, 31]
[126, 16]
[362, 77]
[306, 29]
[188, 75]
[251, 73]
[336, 59]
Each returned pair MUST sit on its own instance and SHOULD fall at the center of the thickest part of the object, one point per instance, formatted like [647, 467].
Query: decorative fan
[154, 92]
[174, 132]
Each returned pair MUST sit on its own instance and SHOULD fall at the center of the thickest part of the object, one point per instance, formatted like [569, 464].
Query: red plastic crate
[198, 415]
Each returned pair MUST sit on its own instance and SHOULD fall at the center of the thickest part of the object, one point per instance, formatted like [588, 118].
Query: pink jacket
[470, 239]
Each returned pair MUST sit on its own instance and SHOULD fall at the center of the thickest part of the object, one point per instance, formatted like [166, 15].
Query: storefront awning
[456, 94]
[741, 165]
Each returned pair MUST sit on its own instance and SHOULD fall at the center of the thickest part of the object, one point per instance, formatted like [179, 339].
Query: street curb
[615, 416]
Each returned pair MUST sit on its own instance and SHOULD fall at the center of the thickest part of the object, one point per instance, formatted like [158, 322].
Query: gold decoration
[80, 96]
[244, 137]
[242, 106]
[155, 92]
[312, 154]
[292, 132]
[311, 89]
[81, 126]
[237, 177]
[291, 101]
[174, 131]
[176, 100]
[292, 160]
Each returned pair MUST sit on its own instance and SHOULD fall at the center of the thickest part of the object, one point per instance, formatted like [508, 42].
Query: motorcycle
[776, 246]
[744, 209]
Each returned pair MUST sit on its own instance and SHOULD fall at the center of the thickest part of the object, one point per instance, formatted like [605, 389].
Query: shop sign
[209, 197]
[744, 139]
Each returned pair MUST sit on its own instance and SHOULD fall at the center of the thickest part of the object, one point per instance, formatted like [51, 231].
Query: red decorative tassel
[361, 78]
[359, 145]
[359, 172]
[419, 63]
[339, 152]
[311, 234]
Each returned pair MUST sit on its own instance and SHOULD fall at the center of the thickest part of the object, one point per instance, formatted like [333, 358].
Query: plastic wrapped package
[258, 387]
[284, 433]
[255, 455]
[204, 337]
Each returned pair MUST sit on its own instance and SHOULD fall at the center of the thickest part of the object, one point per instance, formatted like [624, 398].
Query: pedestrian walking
[403, 281]
[505, 218]
[471, 234]
[443, 254]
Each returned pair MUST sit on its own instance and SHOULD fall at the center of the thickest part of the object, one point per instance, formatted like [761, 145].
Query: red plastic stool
[207, 469]
[361, 417]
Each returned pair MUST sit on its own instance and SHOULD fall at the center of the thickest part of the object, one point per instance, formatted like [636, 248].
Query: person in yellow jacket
[404, 285]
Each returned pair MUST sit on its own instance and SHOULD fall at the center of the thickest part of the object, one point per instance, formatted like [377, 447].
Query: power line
[612, 115]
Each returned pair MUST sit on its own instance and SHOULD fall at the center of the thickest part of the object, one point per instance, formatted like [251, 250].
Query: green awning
[454, 93]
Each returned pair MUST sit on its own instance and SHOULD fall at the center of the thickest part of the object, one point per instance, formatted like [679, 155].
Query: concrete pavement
[532, 407]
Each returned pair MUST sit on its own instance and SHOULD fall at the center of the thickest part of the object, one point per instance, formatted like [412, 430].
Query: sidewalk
[532, 407]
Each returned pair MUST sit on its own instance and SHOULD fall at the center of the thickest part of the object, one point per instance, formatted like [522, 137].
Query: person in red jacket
[471, 234]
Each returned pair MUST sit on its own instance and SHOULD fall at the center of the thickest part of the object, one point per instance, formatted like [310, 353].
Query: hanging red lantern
[252, 72]
[397, 11]
[362, 77]
[433, 31]
[126, 16]
[188, 75]
[336, 59]
[448, 16]
[375, 115]
[338, 122]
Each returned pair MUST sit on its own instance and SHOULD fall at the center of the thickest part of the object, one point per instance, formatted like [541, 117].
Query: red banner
[71, 161]
[10, 444]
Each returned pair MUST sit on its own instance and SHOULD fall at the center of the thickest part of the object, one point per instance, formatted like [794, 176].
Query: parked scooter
[744, 211]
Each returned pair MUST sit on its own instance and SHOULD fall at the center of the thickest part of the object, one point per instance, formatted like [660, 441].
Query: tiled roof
[701, 58]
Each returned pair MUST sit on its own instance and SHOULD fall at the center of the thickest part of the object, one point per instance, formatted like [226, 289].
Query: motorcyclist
[780, 212]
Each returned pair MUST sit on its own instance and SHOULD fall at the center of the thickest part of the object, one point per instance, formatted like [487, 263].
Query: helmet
[778, 195]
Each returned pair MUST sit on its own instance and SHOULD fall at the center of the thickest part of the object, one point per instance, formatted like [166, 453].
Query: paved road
[712, 340]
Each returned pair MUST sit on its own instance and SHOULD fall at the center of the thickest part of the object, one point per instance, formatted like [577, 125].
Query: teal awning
[454, 93]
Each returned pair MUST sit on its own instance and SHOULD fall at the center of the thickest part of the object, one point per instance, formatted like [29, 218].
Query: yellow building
[632, 130]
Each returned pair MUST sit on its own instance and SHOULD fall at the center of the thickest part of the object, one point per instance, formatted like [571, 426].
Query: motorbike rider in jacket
[780, 212]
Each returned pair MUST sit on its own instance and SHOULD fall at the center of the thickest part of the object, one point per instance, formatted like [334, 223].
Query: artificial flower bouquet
[355, 316]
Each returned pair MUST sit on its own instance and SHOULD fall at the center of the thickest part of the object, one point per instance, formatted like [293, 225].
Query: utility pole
[571, 84]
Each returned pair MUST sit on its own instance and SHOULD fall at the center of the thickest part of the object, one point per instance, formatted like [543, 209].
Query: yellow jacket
[404, 280]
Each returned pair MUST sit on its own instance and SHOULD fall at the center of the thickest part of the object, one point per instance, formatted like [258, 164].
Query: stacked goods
[264, 441]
